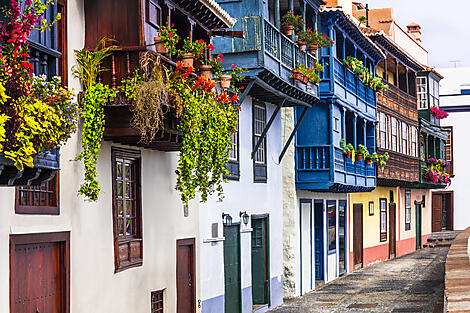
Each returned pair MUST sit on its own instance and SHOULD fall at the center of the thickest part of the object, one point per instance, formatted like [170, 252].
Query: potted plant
[348, 149]
[380, 160]
[297, 75]
[231, 77]
[369, 159]
[190, 50]
[167, 40]
[211, 67]
[291, 22]
[361, 151]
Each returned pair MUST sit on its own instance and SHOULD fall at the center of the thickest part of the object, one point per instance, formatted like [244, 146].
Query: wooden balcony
[398, 102]
[118, 114]
[401, 170]
[325, 168]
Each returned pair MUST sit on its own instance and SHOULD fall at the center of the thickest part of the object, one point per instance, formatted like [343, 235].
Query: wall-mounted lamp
[423, 201]
[245, 217]
[226, 219]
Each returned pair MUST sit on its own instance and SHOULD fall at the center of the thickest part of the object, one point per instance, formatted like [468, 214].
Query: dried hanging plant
[150, 98]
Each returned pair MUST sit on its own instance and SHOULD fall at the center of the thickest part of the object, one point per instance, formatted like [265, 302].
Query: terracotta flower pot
[160, 45]
[369, 162]
[302, 45]
[225, 81]
[305, 79]
[313, 49]
[288, 30]
[187, 59]
[205, 71]
[297, 75]
[349, 155]
[359, 156]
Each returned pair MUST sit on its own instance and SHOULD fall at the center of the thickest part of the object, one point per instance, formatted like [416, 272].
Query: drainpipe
[277, 14]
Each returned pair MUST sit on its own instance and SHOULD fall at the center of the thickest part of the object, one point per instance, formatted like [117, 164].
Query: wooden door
[232, 271]
[357, 235]
[318, 220]
[436, 212]
[259, 258]
[39, 273]
[185, 276]
[418, 225]
[392, 237]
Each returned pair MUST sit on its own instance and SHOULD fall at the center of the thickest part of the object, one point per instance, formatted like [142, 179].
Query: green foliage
[348, 148]
[380, 159]
[312, 73]
[94, 101]
[363, 73]
[196, 48]
[362, 150]
[88, 65]
[362, 20]
[207, 121]
[313, 37]
[170, 38]
[289, 19]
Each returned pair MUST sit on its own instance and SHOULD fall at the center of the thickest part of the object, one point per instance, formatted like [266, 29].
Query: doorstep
[260, 308]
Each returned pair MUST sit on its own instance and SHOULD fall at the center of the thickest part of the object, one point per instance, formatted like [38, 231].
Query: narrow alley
[412, 283]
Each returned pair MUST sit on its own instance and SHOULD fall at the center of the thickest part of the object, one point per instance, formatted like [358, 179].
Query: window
[407, 209]
[414, 141]
[342, 235]
[394, 140]
[259, 159]
[233, 165]
[42, 199]
[331, 225]
[154, 13]
[404, 138]
[422, 92]
[157, 301]
[449, 149]
[383, 131]
[62, 40]
[434, 92]
[127, 215]
[383, 219]
[422, 148]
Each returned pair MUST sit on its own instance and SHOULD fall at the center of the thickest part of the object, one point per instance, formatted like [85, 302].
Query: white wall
[244, 195]
[94, 285]
[454, 80]
[403, 39]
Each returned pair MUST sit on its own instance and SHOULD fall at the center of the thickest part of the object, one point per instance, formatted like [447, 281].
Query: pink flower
[234, 66]
[170, 34]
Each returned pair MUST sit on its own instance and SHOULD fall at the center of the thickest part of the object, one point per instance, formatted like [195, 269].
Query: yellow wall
[371, 224]
[416, 195]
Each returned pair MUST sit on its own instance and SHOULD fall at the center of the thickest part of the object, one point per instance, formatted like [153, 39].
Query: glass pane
[128, 187]
[331, 225]
[119, 189]
[119, 204]
[128, 227]
[120, 227]
[128, 207]
[119, 169]
[128, 171]
[341, 234]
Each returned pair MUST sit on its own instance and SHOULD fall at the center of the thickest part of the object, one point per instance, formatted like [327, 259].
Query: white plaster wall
[413, 48]
[94, 285]
[244, 195]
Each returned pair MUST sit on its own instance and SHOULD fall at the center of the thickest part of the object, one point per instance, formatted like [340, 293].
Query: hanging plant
[96, 96]
[364, 75]
[439, 114]
[36, 114]
[207, 120]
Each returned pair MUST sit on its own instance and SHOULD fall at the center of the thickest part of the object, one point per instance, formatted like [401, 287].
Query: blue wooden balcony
[347, 88]
[325, 168]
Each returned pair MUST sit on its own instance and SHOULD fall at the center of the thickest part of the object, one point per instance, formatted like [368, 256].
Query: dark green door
[259, 257]
[232, 269]
[418, 225]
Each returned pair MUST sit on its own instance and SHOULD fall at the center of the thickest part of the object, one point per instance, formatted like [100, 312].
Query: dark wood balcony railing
[399, 102]
[118, 114]
[400, 170]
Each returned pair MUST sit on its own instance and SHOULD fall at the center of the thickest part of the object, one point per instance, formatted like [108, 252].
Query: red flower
[211, 47]
[221, 55]
[234, 66]
[170, 34]
[201, 41]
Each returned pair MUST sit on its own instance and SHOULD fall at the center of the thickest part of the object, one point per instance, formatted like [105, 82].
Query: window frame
[259, 166]
[449, 150]
[422, 92]
[404, 138]
[157, 297]
[407, 209]
[414, 141]
[328, 203]
[40, 209]
[383, 130]
[383, 215]
[133, 240]
[394, 134]
[148, 18]
[233, 164]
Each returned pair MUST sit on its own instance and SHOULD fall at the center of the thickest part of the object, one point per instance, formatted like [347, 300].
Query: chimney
[414, 30]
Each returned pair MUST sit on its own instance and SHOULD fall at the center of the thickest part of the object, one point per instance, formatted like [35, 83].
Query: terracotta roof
[413, 24]
[431, 69]
[219, 12]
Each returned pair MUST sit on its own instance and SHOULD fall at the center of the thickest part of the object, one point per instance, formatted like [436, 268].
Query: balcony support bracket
[247, 90]
[266, 128]
[291, 136]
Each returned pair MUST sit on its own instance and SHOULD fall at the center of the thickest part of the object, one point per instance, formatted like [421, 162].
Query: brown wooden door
[436, 212]
[392, 238]
[186, 280]
[39, 273]
[357, 235]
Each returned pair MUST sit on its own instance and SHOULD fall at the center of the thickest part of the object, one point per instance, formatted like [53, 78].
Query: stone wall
[457, 279]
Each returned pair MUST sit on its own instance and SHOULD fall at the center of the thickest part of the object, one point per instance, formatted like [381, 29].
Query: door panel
[392, 231]
[318, 220]
[39, 273]
[186, 279]
[306, 240]
[259, 270]
[418, 225]
[232, 269]
[436, 212]
[357, 235]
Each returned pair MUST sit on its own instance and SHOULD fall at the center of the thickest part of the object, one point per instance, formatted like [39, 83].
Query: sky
[445, 27]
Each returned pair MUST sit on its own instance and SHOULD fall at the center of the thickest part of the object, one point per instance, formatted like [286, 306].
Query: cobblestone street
[411, 283]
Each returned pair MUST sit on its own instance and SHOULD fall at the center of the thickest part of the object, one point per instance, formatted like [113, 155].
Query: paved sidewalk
[411, 283]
